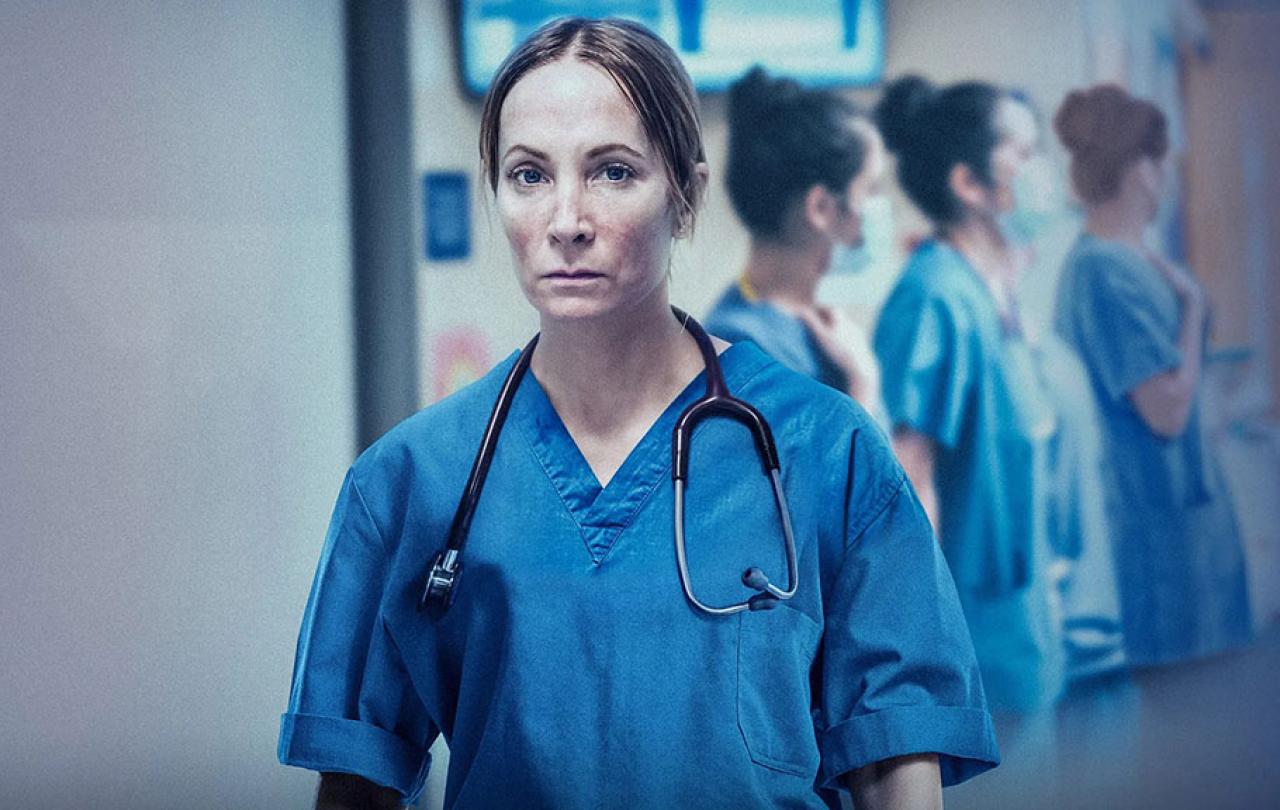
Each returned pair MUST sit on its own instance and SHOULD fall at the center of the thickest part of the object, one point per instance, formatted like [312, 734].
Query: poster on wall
[459, 356]
[821, 42]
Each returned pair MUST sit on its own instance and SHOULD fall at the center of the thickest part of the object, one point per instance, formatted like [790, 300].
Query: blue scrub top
[784, 337]
[736, 318]
[571, 671]
[1179, 563]
[953, 371]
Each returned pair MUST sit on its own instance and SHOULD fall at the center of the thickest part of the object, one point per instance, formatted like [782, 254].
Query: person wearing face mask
[1139, 323]
[971, 422]
[804, 169]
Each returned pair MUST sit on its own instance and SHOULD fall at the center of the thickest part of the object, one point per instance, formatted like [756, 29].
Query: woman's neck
[604, 374]
[986, 252]
[787, 275]
[982, 246]
[1118, 222]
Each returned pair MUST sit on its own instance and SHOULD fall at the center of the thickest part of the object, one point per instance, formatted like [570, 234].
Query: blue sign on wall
[446, 216]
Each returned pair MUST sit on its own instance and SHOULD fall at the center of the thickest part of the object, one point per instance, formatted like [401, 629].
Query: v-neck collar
[603, 513]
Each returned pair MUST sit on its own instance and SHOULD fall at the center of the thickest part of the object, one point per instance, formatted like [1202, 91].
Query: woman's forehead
[1016, 121]
[568, 105]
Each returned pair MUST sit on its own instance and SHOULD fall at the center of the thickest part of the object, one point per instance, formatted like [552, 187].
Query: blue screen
[820, 42]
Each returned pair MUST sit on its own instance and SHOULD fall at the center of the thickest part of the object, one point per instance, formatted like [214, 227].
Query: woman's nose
[570, 222]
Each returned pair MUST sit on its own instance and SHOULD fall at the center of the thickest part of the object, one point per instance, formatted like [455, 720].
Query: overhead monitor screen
[820, 42]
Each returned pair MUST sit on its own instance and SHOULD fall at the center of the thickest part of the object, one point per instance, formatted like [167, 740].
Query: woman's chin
[572, 308]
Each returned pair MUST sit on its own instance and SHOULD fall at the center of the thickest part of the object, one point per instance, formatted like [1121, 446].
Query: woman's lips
[574, 276]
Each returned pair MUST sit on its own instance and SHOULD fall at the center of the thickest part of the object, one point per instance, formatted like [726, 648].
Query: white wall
[176, 396]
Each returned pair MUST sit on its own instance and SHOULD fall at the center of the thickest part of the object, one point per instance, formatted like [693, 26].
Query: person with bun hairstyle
[568, 661]
[801, 167]
[971, 424]
[1138, 321]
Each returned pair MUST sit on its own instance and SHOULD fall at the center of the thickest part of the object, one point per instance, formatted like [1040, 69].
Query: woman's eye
[526, 176]
[617, 172]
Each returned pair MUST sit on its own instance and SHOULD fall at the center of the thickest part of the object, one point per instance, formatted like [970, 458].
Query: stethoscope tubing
[442, 578]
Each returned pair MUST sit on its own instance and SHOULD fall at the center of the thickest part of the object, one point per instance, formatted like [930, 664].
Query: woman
[1138, 323]
[970, 423]
[574, 662]
[801, 167]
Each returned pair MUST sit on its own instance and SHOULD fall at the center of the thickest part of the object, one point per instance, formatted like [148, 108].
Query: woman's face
[866, 183]
[1019, 139]
[1144, 180]
[582, 194]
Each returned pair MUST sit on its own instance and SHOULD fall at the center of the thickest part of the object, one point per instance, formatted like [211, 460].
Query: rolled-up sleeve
[899, 674]
[925, 362]
[352, 708]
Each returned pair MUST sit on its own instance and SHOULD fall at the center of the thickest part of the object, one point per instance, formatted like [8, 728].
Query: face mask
[1036, 202]
[877, 239]
[847, 260]
[1151, 186]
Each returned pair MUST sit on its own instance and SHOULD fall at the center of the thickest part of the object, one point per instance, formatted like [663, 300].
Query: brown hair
[1106, 130]
[648, 73]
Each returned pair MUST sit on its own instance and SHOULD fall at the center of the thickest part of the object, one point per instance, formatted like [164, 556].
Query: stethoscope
[442, 579]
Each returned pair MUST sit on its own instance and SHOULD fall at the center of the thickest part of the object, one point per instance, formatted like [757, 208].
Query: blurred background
[198, 330]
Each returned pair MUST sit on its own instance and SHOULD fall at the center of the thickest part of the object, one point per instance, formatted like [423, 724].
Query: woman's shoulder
[736, 318]
[1092, 259]
[800, 409]
[936, 281]
[1098, 269]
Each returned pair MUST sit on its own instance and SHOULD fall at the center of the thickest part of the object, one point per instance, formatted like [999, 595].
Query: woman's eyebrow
[593, 153]
[613, 147]
[528, 150]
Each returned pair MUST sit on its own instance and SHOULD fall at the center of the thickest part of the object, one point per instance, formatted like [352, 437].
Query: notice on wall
[446, 216]
[459, 357]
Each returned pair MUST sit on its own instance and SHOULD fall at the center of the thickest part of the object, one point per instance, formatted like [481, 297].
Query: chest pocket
[776, 649]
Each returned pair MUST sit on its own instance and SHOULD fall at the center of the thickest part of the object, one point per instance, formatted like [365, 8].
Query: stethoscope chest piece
[442, 580]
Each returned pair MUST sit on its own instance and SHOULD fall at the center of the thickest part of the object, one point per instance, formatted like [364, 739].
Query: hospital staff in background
[802, 165]
[752, 614]
[971, 424]
[1139, 322]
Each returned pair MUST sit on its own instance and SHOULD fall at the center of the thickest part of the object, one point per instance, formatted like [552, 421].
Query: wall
[1234, 178]
[175, 346]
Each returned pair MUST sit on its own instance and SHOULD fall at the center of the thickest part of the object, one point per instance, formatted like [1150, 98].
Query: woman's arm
[916, 453]
[344, 791]
[1164, 401]
[902, 783]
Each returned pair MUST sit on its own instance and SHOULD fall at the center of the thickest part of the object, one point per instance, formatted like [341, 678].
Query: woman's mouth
[580, 276]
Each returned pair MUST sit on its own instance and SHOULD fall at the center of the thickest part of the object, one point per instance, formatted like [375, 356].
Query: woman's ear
[697, 192]
[821, 208]
[966, 187]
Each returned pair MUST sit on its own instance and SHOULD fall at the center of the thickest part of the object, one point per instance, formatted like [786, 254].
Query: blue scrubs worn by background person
[802, 164]
[572, 672]
[1179, 559]
[740, 315]
[971, 423]
[954, 372]
[1138, 323]
[583, 655]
